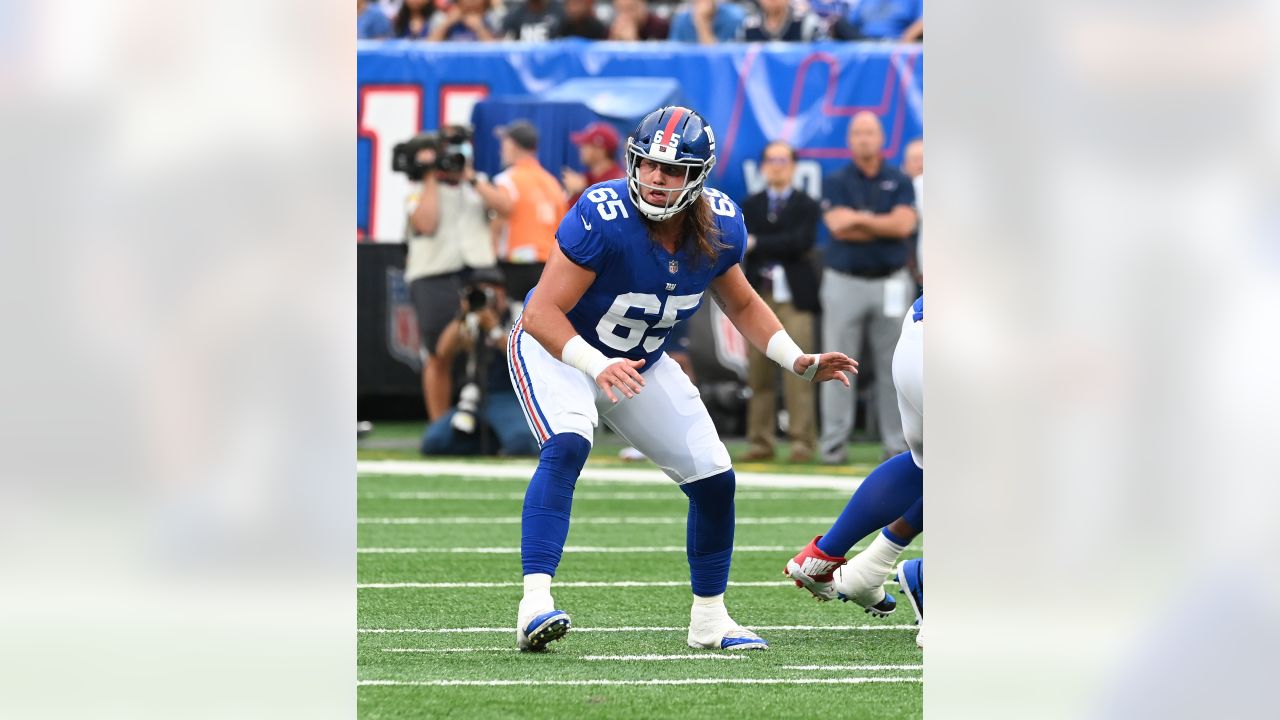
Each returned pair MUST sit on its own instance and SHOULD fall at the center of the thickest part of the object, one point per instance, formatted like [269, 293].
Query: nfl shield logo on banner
[402, 321]
[673, 267]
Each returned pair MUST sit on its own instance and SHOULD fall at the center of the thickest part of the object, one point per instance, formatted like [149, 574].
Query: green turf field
[430, 646]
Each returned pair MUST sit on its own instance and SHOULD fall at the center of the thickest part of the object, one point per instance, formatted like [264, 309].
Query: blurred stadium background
[420, 626]
[751, 93]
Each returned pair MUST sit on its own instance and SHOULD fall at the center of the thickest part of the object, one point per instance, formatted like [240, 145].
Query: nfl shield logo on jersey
[673, 267]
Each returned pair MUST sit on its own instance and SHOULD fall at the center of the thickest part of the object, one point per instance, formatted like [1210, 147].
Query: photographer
[447, 232]
[487, 402]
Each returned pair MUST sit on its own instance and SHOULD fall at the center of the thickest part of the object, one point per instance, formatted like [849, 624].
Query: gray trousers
[850, 306]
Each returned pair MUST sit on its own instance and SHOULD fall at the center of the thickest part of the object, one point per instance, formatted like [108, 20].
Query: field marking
[433, 469]
[446, 650]
[578, 584]
[567, 548]
[704, 656]
[658, 628]
[627, 520]
[685, 681]
[853, 667]
[602, 495]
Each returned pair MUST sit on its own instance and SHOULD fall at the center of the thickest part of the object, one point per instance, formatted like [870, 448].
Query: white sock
[709, 613]
[882, 554]
[537, 592]
[709, 602]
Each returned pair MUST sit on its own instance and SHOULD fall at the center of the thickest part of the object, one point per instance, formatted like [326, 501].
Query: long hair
[699, 230]
[405, 13]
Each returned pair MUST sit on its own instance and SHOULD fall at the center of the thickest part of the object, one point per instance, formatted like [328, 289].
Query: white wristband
[784, 351]
[589, 360]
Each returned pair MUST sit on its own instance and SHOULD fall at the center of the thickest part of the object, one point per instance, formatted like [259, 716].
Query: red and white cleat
[812, 570]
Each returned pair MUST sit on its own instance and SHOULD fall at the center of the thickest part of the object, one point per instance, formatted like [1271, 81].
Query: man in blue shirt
[708, 22]
[897, 20]
[371, 22]
[866, 288]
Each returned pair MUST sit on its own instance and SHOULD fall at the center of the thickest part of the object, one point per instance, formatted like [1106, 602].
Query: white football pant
[666, 421]
[908, 379]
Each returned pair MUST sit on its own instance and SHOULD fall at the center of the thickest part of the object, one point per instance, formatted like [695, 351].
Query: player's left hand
[831, 366]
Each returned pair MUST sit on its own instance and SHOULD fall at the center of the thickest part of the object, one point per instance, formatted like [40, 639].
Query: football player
[891, 499]
[634, 258]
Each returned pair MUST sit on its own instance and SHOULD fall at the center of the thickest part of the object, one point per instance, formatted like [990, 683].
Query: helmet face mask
[680, 142]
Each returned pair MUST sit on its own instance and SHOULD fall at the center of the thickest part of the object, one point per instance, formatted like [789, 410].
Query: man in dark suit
[782, 224]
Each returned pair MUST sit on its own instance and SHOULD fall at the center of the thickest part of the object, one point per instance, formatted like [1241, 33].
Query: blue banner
[750, 94]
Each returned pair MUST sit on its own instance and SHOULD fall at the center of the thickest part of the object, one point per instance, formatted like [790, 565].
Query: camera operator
[487, 402]
[447, 232]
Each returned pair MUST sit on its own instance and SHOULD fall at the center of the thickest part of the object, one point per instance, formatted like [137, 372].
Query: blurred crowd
[699, 21]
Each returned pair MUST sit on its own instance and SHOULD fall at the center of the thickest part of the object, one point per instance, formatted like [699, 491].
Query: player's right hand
[623, 375]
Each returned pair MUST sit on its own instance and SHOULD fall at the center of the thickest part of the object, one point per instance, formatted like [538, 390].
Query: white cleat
[534, 633]
[855, 583]
[735, 638]
[713, 629]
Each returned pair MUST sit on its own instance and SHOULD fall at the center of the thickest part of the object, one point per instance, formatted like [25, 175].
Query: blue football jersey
[641, 291]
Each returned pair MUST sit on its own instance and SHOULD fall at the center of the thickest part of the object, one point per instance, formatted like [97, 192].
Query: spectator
[778, 21]
[463, 22]
[371, 22]
[868, 207]
[413, 19]
[834, 17]
[534, 21]
[913, 158]
[531, 201]
[447, 231]
[782, 224]
[598, 151]
[913, 166]
[580, 21]
[487, 403]
[896, 20]
[632, 20]
[708, 22]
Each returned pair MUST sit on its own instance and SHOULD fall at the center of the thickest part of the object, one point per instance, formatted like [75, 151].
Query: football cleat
[911, 579]
[533, 636]
[711, 628]
[735, 638]
[812, 570]
[866, 588]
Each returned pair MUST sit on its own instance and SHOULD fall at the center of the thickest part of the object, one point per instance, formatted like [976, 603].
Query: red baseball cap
[598, 133]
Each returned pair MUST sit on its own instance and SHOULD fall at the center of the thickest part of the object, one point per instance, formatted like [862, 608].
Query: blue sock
[709, 532]
[913, 517]
[545, 520]
[883, 497]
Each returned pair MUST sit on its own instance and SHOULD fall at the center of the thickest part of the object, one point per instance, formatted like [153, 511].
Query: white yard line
[559, 585]
[853, 667]
[567, 548]
[430, 469]
[578, 584]
[636, 629]
[627, 520]
[672, 494]
[447, 650]
[704, 656]
[686, 681]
